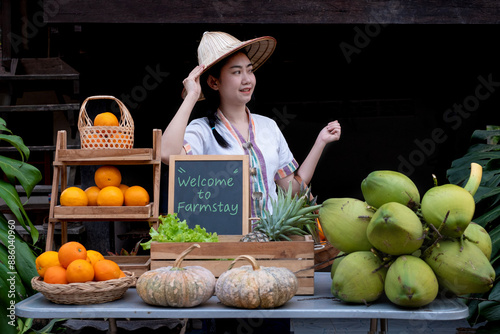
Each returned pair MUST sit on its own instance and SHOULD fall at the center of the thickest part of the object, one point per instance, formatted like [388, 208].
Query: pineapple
[289, 217]
[255, 236]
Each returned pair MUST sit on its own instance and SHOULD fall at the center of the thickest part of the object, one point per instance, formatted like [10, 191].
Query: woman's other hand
[330, 133]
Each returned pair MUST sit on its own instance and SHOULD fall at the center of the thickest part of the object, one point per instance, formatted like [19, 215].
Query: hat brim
[258, 51]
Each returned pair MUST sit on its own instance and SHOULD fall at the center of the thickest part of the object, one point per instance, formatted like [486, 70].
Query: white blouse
[269, 154]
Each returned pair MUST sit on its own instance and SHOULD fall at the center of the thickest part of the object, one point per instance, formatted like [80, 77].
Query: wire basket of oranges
[92, 292]
[106, 131]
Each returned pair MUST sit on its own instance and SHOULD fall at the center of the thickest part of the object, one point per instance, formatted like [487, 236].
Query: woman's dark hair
[212, 98]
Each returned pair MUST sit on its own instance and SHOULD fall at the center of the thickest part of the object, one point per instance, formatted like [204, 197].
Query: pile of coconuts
[409, 249]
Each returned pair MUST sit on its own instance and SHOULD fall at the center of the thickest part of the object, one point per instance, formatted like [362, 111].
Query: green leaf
[27, 175]
[488, 216]
[485, 134]
[3, 126]
[171, 229]
[495, 240]
[11, 285]
[24, 256]
[18, 143]
[4, 255]
[48, 328]
[490, 310]
[9, 194]
[24, 325]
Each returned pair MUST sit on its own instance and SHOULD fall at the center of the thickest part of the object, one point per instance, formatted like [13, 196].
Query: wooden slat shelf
[99, 157]
[40, 69]
[66, 157]
[41, 107]
[103, 212]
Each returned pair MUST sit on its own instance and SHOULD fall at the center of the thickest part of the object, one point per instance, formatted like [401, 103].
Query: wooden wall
[274, 12]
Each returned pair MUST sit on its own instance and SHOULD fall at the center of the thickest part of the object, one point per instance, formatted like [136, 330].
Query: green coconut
[480, 236]
[336, 262]
[461, 267]
[359, 278]
[385, 186]
[440, 200]
[344, 222]
[395, 229]
[410, 282]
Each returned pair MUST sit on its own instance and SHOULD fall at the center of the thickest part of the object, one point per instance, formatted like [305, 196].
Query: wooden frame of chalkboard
[212, 191]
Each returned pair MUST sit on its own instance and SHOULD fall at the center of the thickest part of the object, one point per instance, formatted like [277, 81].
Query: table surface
[320, 305]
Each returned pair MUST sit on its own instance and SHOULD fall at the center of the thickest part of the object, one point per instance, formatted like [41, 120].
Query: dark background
[396, 92]
[390, 98]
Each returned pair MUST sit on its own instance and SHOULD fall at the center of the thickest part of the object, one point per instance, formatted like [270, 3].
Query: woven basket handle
[125, 114]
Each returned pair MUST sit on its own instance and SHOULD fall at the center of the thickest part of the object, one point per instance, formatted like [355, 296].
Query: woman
[226, 67]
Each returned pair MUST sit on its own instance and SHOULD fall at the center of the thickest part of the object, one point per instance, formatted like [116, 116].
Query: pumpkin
[253, 286]
[175, 286]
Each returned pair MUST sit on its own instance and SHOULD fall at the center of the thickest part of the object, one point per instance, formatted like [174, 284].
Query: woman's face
[237, 80]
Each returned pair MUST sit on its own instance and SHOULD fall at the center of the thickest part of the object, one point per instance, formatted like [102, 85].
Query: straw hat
[216, 45]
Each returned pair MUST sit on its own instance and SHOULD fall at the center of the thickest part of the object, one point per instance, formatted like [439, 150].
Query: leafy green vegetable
[171, 229]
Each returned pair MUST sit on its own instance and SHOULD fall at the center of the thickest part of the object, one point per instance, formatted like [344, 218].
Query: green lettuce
[171, 229]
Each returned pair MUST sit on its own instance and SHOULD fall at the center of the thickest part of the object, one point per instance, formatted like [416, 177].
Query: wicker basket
[85, 293]
[105, 137]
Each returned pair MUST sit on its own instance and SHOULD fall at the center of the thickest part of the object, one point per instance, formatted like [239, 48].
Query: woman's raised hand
[192, 82]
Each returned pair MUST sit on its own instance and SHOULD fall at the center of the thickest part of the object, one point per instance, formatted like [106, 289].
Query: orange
[79, 271]
[92, 192]
[122, 274]
[107, 176]
[106, 119]
[55, 275]
[120, 140]
[94, 256]
[90, 141]
[46, 260]
[123, 188]
[106, 269]
[136, 196]
[110, 196]
[74, 196]
[70, 252]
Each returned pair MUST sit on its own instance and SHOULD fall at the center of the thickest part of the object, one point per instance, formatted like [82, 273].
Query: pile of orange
[75, 264]
[108, 191]
[106, 137]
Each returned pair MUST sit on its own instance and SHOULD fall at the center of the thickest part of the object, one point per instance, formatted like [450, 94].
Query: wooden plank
[277, 12]
[231, 250]
[41, 107]
[137, 264]
[6, 27]
[217, 267]
[42, 69]
[94, 157]
[102, 212]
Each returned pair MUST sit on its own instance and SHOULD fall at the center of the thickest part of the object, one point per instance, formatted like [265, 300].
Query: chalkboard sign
[211, 191]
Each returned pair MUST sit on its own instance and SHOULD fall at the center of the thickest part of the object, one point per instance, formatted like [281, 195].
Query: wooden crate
[138, 264]
[297, 255]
